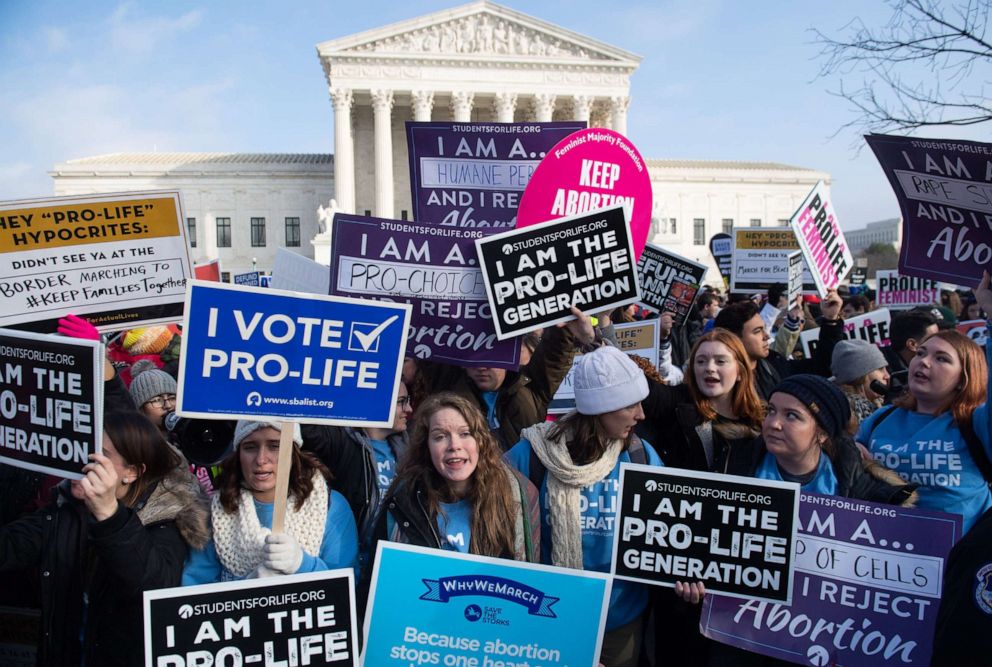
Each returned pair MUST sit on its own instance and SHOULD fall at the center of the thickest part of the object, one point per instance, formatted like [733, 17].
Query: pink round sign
[587, 170]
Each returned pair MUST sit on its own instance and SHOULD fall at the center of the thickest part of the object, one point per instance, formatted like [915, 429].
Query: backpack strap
[636, 450]
[976, 449]
[886, 411]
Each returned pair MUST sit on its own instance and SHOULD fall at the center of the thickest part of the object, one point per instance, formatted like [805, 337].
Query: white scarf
[565, 483]
[239, 537]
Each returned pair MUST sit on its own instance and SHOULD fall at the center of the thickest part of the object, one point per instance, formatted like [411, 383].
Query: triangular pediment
[480, 29]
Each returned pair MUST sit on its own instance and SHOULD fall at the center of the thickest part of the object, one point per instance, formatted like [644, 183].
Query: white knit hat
[245, 428]
[607, 380]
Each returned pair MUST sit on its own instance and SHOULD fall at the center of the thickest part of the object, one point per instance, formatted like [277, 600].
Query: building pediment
[480, 29]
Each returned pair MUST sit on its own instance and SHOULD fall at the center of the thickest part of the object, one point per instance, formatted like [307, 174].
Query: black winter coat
[109, 562]
[772, 370]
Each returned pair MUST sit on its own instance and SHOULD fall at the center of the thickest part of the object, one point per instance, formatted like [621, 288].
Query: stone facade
[478, 62]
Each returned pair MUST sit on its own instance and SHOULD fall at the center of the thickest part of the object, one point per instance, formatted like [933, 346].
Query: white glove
[282, 553]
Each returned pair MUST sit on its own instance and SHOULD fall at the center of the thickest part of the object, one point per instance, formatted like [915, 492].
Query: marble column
[504, 105]
[422, 102]
[461, 106]
[544, 107]
[582, 107]
[382, 112]
[344, 150]
[618, 114]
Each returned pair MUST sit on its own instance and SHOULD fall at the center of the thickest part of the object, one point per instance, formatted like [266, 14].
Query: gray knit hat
[147, 382]
[607, 380]
[245, 428]
[855, 358]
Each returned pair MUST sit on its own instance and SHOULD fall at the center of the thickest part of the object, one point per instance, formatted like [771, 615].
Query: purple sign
[432, 267]
[946, 202]
[868, 579]
[473, 174]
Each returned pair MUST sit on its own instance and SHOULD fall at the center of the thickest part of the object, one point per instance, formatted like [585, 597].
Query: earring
[125, 482]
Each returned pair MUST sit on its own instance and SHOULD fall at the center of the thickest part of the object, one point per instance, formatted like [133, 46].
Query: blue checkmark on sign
[365, 335]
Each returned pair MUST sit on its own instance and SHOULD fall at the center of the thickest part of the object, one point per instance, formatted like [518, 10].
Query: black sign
[722, 249]
[535, 274]
[859, 275]
[734, 534]
[669, 282]
[51, 402]
[302, 619]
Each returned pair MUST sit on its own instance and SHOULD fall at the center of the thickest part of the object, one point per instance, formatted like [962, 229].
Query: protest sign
[298, 619]
[119, 260]
[794, 287]
[669, 282]
[209, 270]
[976, 330]
[769, 315]
[734, 534]
[534, 275]
[897, 291]
[51, 401]
[292, 271]
[250, 279]
[821, 240]
[590, 170]
[858, 276]
[473, 174]
[872, 327]
[636, 339]
[433, 607]
[433, 268]
[722, 250]
[761, 259]
[286, 356]
[946, 203]
[20, 628]
[868, 585]
[265, 281]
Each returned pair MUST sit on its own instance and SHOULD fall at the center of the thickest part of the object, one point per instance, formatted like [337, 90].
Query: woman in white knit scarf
[320, 532]
[581, 455]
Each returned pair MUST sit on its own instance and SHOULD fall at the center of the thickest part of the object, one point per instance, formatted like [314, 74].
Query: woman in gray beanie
[153, 391]
[855, 365]
[575, 463]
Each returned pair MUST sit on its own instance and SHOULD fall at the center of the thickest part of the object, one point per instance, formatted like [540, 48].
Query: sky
[719, 80]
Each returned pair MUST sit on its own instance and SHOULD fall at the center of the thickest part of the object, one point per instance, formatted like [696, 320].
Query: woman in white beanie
[575, 463]
[855, 365]
[320, 532]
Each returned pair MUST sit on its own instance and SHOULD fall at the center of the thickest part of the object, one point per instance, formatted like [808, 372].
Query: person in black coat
[122, 529]
[744, 320]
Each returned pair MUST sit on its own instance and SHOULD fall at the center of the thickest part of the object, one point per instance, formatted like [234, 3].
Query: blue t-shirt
[929, 450]
[385, 465]
[824, 481]
[454, 524]
[489, 397]
[339, 548]
[600, 503]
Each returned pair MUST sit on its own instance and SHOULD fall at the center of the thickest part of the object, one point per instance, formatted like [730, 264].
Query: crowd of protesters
[473, 463]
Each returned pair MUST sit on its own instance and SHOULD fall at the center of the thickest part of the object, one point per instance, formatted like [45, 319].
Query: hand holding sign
[580, 327]
[983, 295]
[832, 305]
[99, 487]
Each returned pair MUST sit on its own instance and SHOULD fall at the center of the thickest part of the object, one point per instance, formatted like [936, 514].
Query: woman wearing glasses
[154, 392]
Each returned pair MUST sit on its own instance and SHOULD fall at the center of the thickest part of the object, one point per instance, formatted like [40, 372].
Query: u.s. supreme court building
[475, 62]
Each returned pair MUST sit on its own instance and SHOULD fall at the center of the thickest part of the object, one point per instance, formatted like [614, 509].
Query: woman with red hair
[938, 434]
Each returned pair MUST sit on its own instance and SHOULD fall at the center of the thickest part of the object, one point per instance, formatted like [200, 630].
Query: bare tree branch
[928, 66]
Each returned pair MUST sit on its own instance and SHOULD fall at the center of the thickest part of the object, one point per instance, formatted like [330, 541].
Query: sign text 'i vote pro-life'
[536, 274]
[253, 354]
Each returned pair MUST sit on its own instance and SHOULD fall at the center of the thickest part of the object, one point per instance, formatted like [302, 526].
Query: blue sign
[265, 281]
[429, 606]
[250, 279]
[251, 354]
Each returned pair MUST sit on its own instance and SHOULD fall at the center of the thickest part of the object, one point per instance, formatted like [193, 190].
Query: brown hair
[231, 479]
[584, 436]
[963, 402]
[743, 397]
[493, 522]
[141, 445]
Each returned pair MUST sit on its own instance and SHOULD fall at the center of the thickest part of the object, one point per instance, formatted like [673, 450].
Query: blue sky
[719, 80]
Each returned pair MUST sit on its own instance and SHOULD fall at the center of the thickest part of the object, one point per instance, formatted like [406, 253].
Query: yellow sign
[766, 239]
[48, 225]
